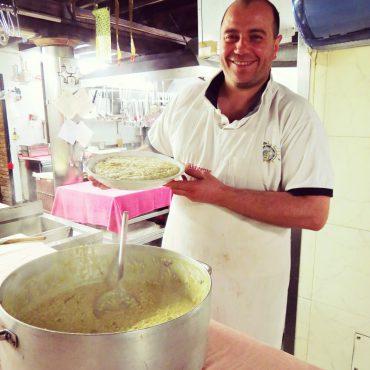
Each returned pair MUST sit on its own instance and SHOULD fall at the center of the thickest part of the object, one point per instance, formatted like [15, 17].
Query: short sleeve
[159, 133]
[306, 165]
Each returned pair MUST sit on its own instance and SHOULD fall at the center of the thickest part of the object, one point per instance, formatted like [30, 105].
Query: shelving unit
[141, 231]
[145, 234]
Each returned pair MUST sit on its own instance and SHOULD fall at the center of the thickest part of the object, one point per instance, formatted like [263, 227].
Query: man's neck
[235, 103]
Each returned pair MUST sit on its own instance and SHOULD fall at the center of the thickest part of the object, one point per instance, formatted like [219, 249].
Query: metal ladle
[117, 298]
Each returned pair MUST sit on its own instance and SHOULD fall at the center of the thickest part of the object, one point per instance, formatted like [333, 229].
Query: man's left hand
[203, 188]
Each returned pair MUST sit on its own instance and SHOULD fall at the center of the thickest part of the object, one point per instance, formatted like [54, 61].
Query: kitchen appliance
[27, 167]
[333, 24]
[35, 150]
[180, 343]
[29, 220]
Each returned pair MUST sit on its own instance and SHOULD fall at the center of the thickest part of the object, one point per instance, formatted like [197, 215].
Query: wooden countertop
[230, 350]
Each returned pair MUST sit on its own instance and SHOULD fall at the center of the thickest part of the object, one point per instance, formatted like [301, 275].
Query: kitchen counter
[230, 350]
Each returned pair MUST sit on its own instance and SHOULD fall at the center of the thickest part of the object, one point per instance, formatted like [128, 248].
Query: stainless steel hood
[155, 62]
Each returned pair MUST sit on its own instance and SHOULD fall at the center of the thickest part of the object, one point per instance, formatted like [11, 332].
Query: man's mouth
[243, 63]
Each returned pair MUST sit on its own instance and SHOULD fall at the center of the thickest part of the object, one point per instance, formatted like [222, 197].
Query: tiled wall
[334, 290]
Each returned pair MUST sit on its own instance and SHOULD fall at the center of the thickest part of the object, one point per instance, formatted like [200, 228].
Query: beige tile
[306, 267]
[342, 269]
[318, 76]
[350, 213]
[351, 163]
[331, 336]
[302, 328]
[347, 109]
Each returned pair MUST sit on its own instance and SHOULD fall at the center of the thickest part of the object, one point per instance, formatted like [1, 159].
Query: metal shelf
[148, 215]
[147, 238]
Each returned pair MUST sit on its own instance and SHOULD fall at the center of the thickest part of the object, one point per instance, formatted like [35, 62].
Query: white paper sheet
[84, 134]
[66, 103]
[68, 131]
[85, 108]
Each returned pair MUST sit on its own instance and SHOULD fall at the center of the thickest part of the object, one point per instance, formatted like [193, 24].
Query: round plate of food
[134, 169]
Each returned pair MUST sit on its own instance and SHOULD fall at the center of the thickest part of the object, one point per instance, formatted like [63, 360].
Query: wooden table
[230, 350]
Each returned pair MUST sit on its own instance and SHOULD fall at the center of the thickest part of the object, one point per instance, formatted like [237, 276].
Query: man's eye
[256, 38]
[230, 38]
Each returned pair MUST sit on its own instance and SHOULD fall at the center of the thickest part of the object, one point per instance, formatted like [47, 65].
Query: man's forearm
[277, 208]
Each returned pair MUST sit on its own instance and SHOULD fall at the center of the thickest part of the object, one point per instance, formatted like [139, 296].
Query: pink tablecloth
[87, 204]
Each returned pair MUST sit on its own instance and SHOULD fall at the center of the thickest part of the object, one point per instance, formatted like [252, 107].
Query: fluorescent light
[47, 17]
[82, 46]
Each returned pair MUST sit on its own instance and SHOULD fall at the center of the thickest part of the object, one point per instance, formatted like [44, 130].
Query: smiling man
[258, 166]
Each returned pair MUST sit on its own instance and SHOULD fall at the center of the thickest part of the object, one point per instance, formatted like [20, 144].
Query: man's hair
[275, 13]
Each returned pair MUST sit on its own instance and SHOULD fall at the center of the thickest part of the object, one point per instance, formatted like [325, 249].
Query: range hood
[333, 24]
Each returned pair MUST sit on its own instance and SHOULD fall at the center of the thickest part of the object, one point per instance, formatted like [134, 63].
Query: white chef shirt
[279, 146]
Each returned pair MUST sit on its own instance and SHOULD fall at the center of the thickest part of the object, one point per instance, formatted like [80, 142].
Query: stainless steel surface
[23, 239]
[174, 345]
[26, 167]
[122, 245]
[62, 153]
[28, 219]
[117, 297]
[86, 15]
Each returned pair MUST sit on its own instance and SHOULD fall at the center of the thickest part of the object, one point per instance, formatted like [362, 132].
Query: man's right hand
[98, 184]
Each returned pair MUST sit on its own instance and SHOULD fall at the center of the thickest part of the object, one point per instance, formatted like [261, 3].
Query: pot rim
[177, 321]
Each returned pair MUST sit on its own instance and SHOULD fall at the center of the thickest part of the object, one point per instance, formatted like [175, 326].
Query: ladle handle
[122, 244]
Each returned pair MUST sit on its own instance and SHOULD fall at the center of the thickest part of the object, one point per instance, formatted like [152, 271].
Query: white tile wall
[331, 336]
[334, 287]
[342, 269]
[308, 250]
[302, 328]
[351, 162]
[347, 93]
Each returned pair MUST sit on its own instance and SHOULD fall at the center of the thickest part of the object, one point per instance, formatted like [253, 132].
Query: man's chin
[244, 84]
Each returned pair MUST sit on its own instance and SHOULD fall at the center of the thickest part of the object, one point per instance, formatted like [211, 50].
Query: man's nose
[242, 45]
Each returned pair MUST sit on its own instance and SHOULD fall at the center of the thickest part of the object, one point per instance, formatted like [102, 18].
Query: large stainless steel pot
[177, 344]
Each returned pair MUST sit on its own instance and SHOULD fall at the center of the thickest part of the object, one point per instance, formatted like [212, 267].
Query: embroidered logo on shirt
[270, 152]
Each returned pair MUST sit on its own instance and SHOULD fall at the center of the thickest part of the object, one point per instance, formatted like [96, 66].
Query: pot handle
[10, 337]
[206, 266]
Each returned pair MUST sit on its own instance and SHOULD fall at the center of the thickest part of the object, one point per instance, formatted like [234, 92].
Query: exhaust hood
[333, 24]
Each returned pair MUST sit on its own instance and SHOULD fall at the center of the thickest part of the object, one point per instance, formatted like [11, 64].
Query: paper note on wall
[66, 104]
[84, 134]
[68, 131]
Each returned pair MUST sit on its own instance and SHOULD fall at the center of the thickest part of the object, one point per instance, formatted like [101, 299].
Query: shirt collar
[214, 87]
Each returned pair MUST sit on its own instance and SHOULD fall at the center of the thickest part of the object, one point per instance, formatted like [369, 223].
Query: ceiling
[159, 26]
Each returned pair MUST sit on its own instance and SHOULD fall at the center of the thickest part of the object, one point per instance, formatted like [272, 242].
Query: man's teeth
[242, 63]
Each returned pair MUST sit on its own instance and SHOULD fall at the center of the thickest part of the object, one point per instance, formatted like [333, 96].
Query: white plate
[132, 184]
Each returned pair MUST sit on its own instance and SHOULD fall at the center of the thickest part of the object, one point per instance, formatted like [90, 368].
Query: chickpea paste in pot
[163, 288]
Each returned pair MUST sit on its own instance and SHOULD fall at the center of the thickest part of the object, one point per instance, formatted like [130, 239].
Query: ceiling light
[47, 17]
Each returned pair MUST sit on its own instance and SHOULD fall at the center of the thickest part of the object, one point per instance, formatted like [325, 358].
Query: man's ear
[277, 44]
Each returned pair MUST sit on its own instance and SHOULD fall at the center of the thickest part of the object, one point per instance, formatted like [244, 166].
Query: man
[258, 166]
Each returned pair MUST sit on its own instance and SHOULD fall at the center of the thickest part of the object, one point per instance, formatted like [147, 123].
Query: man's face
[248, 45]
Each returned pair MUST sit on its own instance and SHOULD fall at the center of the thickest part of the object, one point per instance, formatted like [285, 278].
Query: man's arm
[276, 208]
